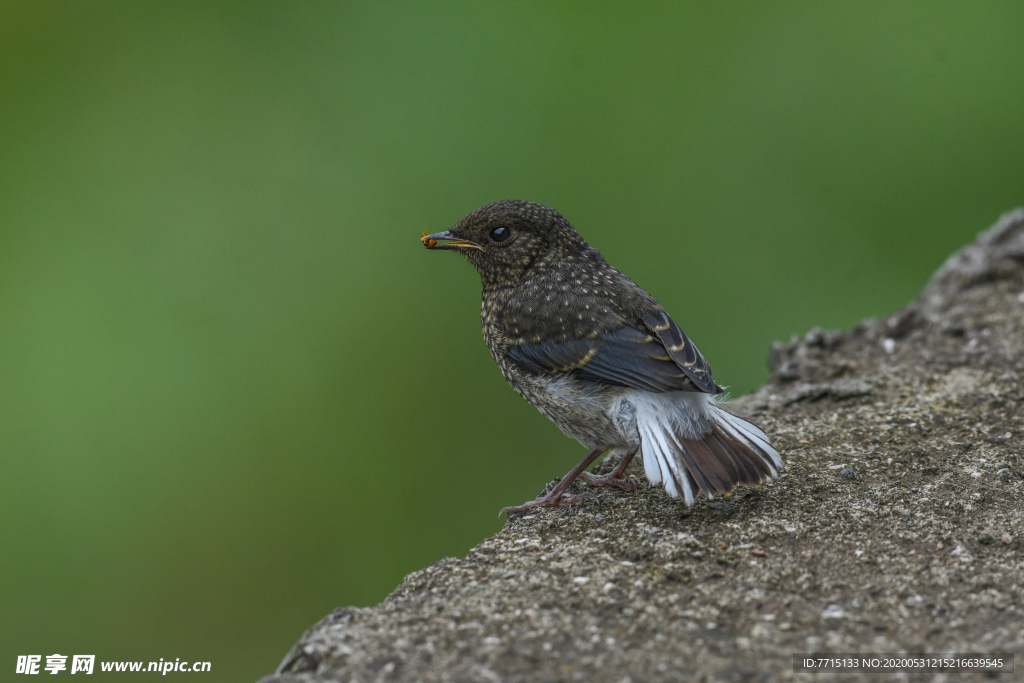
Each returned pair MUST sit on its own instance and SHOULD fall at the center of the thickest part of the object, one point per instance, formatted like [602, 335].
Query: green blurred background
[236, 392]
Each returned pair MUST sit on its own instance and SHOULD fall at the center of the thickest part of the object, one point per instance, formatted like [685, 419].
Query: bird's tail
[692, 445]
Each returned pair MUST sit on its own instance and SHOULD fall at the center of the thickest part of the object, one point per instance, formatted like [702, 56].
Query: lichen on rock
[895, 526]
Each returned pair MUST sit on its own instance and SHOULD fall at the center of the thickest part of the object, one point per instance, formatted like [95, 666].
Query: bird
[600, 357]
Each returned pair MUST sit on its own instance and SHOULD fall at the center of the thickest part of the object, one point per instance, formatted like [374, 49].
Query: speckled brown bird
[599, 357]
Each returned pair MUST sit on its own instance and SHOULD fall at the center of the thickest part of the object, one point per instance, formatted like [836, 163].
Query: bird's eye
[500, 234]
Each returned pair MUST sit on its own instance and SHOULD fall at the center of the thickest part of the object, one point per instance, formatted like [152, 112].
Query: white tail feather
[738, 433]
[651, 467]
[656, 450]
[751, 434]
[666, 421]
[679, 473]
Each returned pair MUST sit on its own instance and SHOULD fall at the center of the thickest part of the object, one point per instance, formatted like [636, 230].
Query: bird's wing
[625, 357]
[682, 351]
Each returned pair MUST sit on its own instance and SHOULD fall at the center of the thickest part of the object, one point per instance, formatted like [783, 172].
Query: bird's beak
[445, 240]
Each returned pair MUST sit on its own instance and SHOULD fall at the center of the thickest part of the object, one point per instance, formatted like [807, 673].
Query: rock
[833, 612]
[984, 261]
[681, 576]
[638, 553]
[899, 325]
[802, 392]
[546, 599]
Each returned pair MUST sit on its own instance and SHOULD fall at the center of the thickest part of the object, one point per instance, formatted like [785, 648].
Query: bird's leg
[554, 497]
[613, 478]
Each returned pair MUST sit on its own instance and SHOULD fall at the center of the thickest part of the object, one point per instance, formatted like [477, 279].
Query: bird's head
[504, 240]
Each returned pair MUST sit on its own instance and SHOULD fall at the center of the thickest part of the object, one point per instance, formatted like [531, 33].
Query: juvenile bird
[599, 357]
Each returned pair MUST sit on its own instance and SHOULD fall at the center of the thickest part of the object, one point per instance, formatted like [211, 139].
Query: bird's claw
[611, 479]
[549, 487]
[546, 501]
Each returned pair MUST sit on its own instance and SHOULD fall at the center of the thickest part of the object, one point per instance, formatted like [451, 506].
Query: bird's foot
[552, 499]
[549, 487]
[613, 478]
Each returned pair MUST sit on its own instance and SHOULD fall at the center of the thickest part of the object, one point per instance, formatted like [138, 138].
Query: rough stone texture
[896, 527]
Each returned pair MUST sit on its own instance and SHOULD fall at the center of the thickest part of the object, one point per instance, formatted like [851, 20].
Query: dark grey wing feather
[625, 357]
[636, 360]
[548, 357]
[682, 351]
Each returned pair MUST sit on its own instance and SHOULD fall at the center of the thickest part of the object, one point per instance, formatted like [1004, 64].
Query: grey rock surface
[896, 527]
